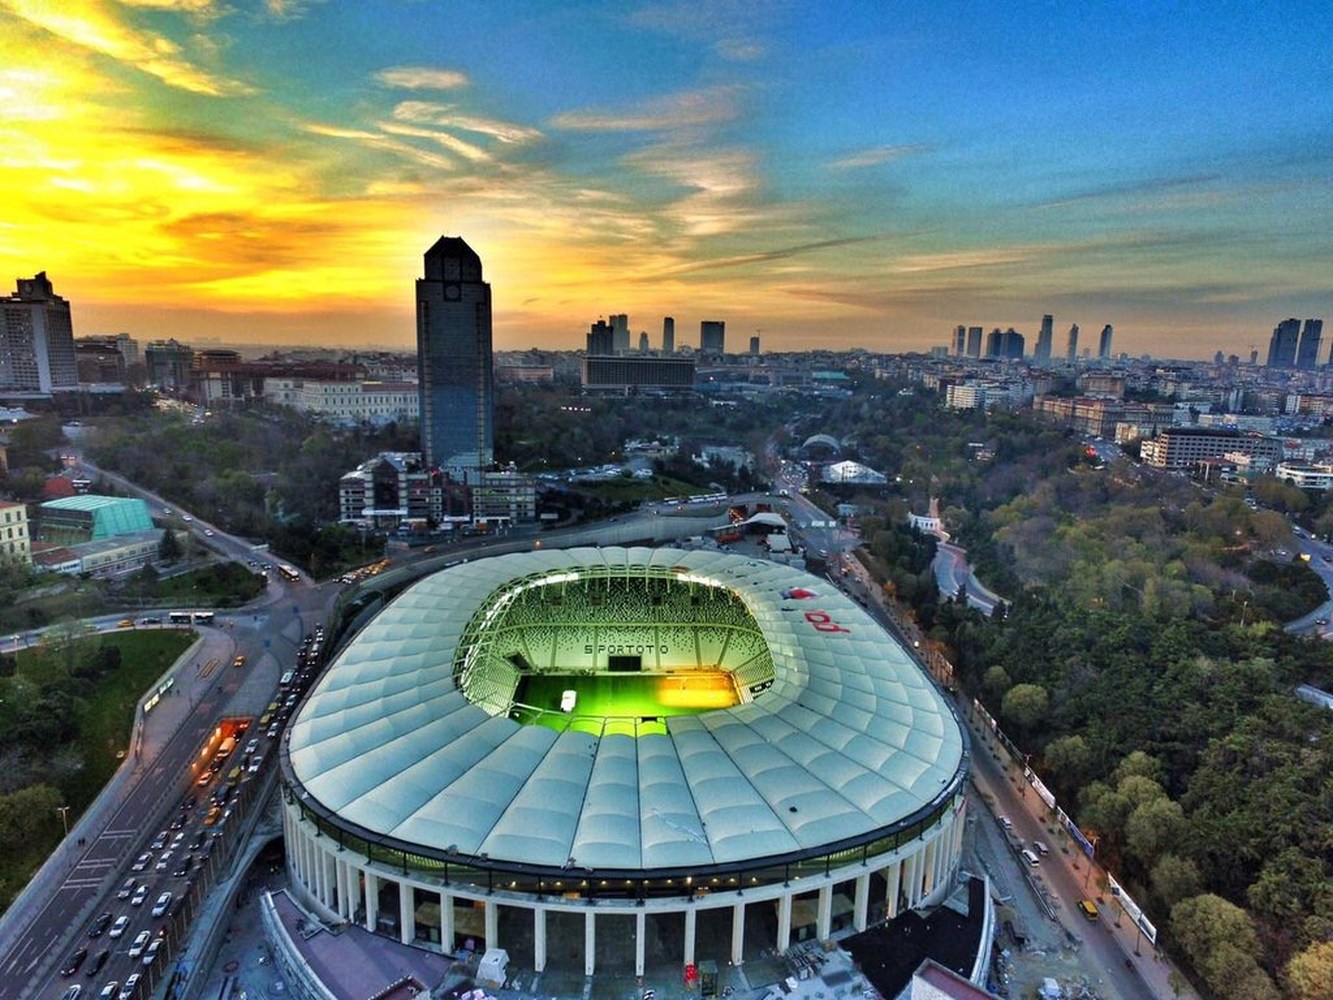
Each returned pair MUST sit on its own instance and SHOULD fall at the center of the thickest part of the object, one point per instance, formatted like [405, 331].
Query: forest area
[1139, 658]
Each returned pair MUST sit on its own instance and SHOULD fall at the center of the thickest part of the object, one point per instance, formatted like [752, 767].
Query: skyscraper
[668, 335]
[974, 341]
[643, 341]
[1307, 352]
[600, 339]
[36, 339]
[620, 333]
[959, 341]
[1104, 345]
[1282, 344]
[1071, 347]
[454, 360]
[1042, 352]
[754, 346]
[713, 336]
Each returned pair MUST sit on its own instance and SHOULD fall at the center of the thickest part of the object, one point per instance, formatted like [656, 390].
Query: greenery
[66, 708]
[1141, 662]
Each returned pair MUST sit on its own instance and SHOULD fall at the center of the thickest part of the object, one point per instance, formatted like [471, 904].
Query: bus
[190, 617]
[289, 573]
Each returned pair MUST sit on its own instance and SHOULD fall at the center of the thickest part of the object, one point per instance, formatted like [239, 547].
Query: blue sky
[833, 174]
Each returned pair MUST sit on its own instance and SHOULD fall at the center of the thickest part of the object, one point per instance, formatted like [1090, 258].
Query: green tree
[1175, 878]
[169, 549]
[996, 682]
[1025, 705]
[1154, 828]
[1221, 942]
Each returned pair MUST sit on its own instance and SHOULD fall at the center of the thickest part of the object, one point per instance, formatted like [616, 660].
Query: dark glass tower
[456, 384]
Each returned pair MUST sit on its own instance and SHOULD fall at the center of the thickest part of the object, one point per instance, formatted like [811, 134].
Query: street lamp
[64, 818]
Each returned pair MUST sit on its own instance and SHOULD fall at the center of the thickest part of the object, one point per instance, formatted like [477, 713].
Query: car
[1088, 908]
[99, 960]
[1006, 823]
[186, 517]
[125, 623]
[72, 964]
[208, 532]
[110, 991]
[118, 928]
[176, 840]
[1029, 857]
[252, 746]
[162, 904]
[196, 843]
[141, 862]
[164, 862]
[154, 946]
[204, 778]
[255, 764]
[183, 869]
[99, 925]
[128, 987]
[239, 661]
[72, 993]
[1040, 848]
[160, 841]
[126, 889]
[273, 730]
[139, 943]
[140, 894]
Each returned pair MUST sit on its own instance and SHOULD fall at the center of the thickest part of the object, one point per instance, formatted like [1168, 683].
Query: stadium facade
[434, 793]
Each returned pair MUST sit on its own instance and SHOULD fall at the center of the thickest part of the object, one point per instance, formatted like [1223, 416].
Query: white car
[139, 943]
[141, 862]
[1029, 857]
[150, 956]
[163, 902]
[163, 862]
[109, 991]
[129, 986]
[118, 928]
[140, 894]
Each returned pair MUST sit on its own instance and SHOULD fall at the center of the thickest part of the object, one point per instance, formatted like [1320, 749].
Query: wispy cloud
[875, 156]
[729, 27]
[448, 116]
[711, 106]
[421, 78]
[1137, 189]
[94, 27]
[762, 256]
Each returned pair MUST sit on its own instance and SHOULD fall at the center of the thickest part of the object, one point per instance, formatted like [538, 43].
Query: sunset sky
[832, 174]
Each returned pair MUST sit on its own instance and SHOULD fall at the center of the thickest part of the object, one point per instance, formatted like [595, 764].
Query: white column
[691, 926]
[447, 922]
[738, 934]
[491, 914]
[372, 899]
[895, 874]
[784, 922]
[539, 940]
[928, 870]
[824, 919]
[407, 913]
[589, 943]
[861, 905]
[640, 932]
[340, 878]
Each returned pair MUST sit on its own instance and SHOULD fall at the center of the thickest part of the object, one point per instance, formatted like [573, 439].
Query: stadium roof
[851, 739]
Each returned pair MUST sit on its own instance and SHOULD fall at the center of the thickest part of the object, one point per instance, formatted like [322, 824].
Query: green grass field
[622, 702]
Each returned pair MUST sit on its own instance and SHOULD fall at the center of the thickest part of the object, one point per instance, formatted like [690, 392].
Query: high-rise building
[1282, 344]
[620, 333]
[1008, 345]
[959, 341]
[1307, 351]
[713, 336]
[1071, 346]
[754, 346]
[456, 384]
[643, 341]
[974, 341]
[1042, 352]
[601, 339]
[169, 364]
[668, 335]
[1104, 345]
[36, 339]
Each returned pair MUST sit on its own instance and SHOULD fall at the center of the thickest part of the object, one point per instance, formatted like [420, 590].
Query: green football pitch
[630, 697]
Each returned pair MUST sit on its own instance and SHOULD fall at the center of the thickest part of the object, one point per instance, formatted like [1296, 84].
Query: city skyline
[844, 176]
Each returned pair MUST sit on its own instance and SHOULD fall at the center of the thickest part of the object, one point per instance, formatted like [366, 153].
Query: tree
[169, 549]
[1153, 828]
[996, 682]
[1309, 974]
[1175, 878]
[1025, 705]
[1221, 942]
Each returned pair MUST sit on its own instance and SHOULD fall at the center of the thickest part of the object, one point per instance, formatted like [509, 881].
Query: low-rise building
[1183, 447]
[1307, 477]
[15, 543]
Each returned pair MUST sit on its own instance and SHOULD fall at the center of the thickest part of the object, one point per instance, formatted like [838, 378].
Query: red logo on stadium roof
[799, 593]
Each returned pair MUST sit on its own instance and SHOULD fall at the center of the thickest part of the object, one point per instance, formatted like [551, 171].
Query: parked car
[128, 987]
[150, 956]
[139, 943]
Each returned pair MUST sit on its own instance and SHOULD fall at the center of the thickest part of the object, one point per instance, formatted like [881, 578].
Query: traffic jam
[127, 947]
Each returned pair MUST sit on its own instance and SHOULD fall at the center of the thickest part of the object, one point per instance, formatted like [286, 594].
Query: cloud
[380, 141]
[762, 256]
[467, 150]
[733, 29]
[711, 106]
[1151, 186]
[875, 156]
[92, 27]
[421, 78]
[447, 116]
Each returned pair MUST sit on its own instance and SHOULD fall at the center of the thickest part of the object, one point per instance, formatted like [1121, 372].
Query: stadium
[612, 759]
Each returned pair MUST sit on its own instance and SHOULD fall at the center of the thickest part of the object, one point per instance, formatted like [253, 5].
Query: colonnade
[344, 885]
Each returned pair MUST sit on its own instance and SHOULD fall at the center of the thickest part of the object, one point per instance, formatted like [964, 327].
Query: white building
[375, 403]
